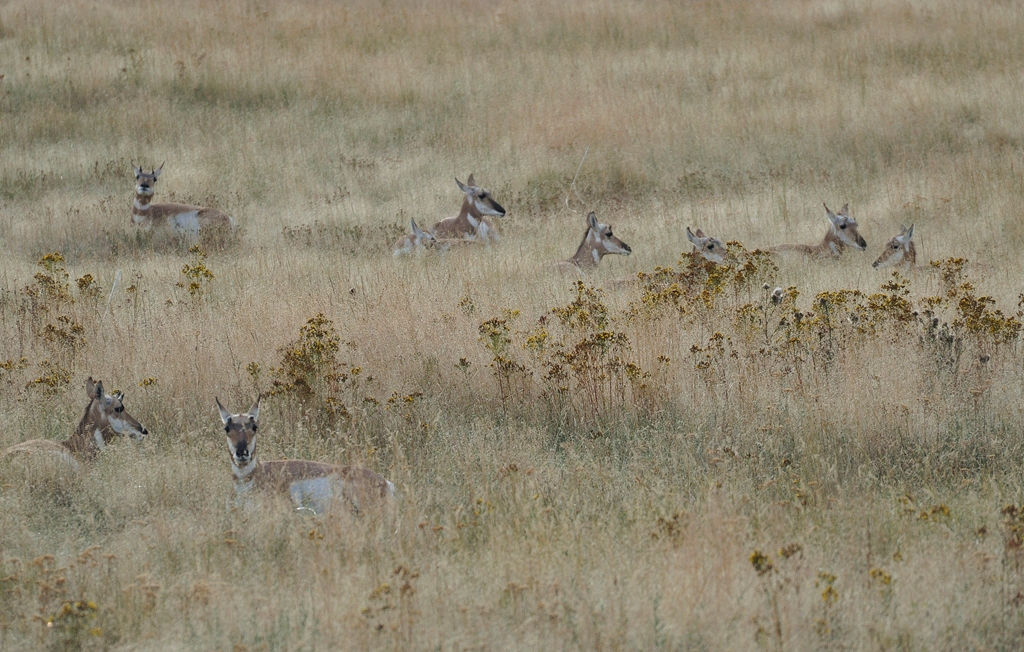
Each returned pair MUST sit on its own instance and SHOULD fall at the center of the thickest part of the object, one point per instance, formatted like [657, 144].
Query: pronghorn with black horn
[842, 233]
[471, 223]
[707, 247]
[598, 242]
[180, 219]
[899, 251]
[311, 485]
[104, 418]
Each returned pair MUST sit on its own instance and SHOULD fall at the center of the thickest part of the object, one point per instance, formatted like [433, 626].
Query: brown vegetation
[776, 453]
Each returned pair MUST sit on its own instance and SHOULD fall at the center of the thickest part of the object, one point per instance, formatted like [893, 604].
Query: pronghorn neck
[245, 476]
[140, 207]
[590, 252]
[92, 434]
[469, 214]
[831, 244]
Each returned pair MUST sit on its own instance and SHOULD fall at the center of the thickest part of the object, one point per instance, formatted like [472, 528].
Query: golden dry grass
[622, 514]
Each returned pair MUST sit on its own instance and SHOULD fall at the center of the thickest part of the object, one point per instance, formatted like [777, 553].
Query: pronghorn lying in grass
[415, 240]
[420, 239]
[709, 248]
[311, 485]
[842, 233]
[598, 242]
[899, 251]
[104, 418]
[471, 223]
[180, 219]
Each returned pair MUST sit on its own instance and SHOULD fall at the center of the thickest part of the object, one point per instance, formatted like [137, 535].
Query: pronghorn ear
[470, 180]
[156, 172]
[417, 231]
[138, 171]
[699, 233]
[254, 411]
[225, 416]
[691, 237]
[907, 235]
[464, 188]
[90, 388]
[832, 217]
[592, 220]
[845, 210]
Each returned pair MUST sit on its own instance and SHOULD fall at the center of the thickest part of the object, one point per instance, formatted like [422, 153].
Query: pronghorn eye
[895, 246]
[842, 226]
[119, 409]
[711, 247]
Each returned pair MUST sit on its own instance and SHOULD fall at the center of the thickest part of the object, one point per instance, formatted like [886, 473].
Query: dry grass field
[683, 463]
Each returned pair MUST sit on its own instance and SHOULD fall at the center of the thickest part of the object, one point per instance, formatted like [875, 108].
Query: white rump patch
[314, 494]
[186, 223]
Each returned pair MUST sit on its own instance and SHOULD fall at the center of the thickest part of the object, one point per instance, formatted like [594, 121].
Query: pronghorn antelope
[420, 239]
[899, 251]
[311, 485]
[104, 418]
[181, 219]
[598, 242]
[842, 233]
[709, 248]
[471, 223]
[415, 240]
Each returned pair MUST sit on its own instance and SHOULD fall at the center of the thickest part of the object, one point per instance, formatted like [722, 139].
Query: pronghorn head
[710, 248]
[420, 236]
[899, 250]
[241, 433]
[106, 416]
[480, 198]
[145, 181]
[598, 242]
[845, 227]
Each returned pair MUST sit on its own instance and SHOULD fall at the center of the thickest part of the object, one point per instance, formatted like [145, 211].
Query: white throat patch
[244, 472]
[98, 436]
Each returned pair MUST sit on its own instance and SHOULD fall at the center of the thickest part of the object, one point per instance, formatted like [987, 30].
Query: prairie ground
[684, 461]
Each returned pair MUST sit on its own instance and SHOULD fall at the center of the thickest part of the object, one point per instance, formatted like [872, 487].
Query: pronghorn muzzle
[241, 452]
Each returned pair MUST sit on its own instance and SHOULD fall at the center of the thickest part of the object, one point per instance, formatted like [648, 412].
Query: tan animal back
[471, 223]
[842, 233]
[312, 486]
[180, 219]
[104, 419]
